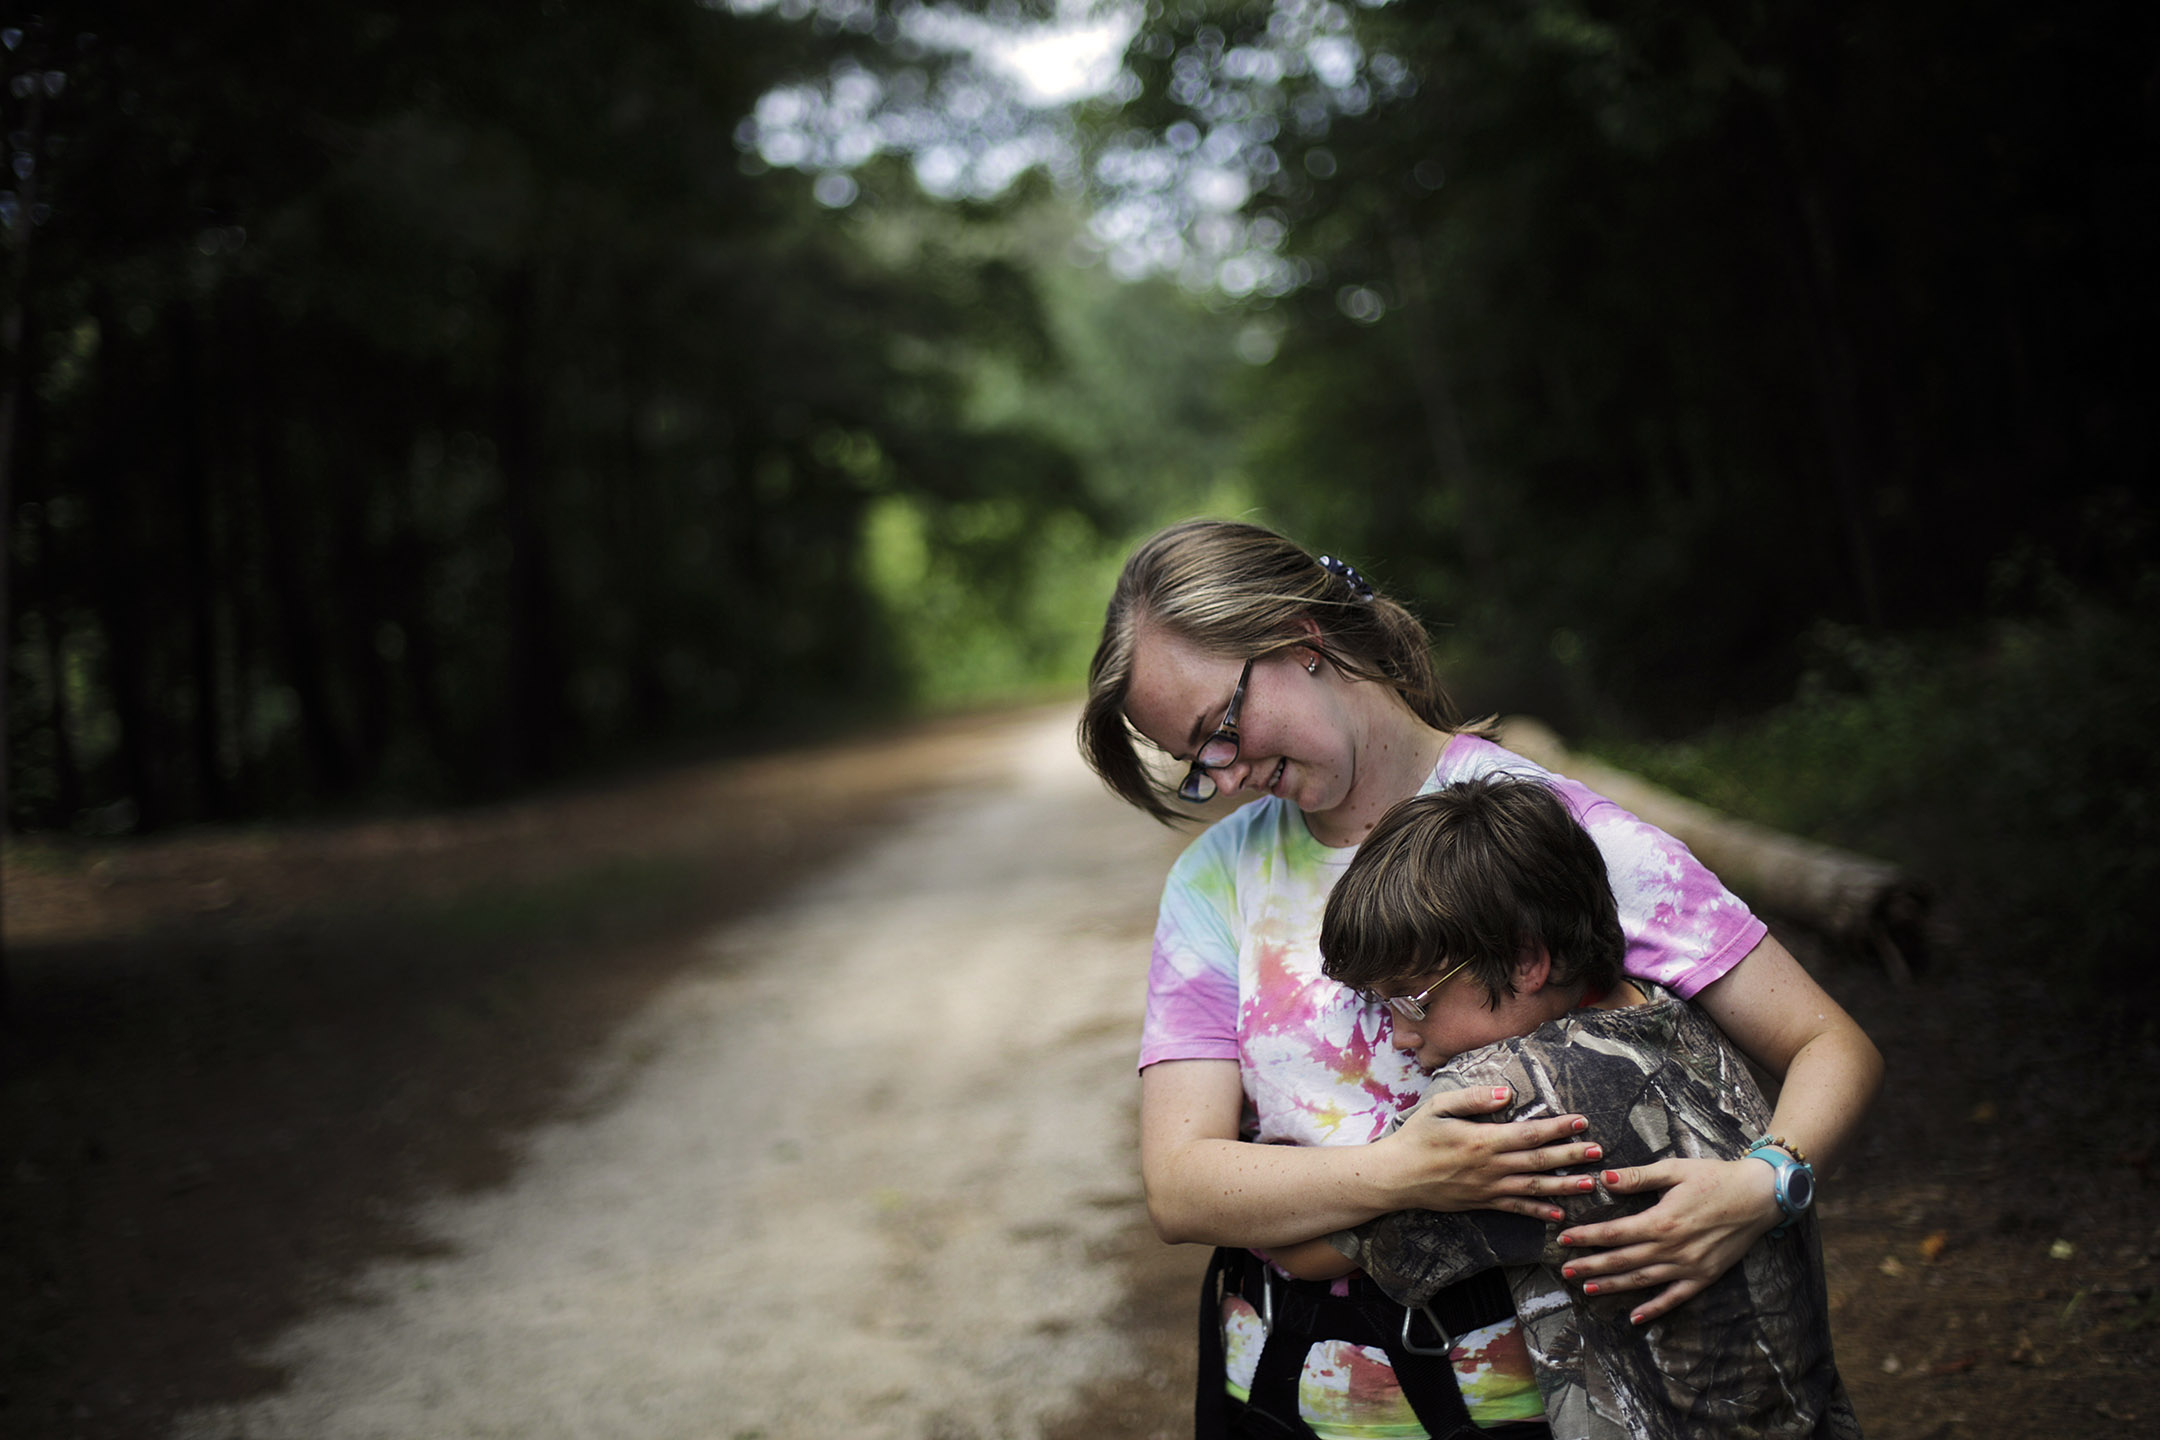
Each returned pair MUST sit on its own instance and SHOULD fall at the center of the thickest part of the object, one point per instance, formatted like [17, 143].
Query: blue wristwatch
[1795, 1182]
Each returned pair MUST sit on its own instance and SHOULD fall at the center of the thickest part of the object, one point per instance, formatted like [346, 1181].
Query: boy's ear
[1533, 970]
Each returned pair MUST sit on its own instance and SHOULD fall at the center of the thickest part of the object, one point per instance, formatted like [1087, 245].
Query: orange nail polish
[1596, 1152]
[1612, 1177]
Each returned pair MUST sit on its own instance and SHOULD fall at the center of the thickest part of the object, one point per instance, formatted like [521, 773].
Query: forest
[551, 546]
[408, 404]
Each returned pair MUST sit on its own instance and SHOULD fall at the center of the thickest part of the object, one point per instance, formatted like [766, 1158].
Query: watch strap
[1782, 1162]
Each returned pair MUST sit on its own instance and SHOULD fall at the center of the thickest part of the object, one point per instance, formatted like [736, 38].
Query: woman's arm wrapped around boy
[1750, 1354]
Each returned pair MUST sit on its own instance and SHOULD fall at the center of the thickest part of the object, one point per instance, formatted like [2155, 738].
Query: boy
[1482, 917]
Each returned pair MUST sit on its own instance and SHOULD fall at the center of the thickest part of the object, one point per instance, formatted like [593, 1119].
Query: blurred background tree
[1648, 336]
[1755, 391]
[415, 402]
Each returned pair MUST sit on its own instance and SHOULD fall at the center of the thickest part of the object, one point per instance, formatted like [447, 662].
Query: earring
[1312, 667]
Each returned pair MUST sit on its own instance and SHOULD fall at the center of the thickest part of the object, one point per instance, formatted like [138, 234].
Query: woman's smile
[1293, 709]
[1179, 692]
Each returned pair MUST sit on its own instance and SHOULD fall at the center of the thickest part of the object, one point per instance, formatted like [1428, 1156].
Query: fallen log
[1867, 904]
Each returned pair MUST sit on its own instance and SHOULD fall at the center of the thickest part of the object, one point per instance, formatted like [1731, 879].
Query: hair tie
[1347, 573]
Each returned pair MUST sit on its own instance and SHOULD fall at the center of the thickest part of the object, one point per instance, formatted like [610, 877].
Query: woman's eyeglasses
[1219, 749]
[1410, 1007]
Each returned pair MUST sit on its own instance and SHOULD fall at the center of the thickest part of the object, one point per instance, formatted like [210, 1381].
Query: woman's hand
[1711, 1212]
[1451, 1163]
[1207, 1186]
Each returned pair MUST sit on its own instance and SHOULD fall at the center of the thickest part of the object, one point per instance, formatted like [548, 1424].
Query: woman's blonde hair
[1241, 590]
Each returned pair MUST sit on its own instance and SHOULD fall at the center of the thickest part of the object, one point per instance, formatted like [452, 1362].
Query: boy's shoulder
[1662, 1022]
[1603, 1048]
[1663, 1055]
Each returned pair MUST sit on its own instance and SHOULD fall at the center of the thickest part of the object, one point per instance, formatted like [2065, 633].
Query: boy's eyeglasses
[1410, 1007]
[1219, 749]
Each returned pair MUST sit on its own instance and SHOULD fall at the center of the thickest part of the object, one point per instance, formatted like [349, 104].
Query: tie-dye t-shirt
[1236, 971]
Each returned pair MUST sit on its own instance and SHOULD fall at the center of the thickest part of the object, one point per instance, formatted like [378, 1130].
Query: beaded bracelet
[1783, 1144]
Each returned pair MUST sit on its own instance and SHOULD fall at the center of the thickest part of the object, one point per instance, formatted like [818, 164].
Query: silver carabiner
[1267, 1299]
[1409, 1313]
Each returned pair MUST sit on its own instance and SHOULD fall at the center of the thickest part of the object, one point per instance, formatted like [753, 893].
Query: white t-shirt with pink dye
[1236, 971]
[1236, 976]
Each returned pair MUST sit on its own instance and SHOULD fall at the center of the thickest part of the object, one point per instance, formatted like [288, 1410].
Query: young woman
[1261, 670]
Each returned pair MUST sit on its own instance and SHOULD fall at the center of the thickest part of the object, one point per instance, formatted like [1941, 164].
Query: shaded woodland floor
[238, 1060]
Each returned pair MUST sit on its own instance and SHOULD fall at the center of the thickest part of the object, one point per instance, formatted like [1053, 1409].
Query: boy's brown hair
[1480, 872]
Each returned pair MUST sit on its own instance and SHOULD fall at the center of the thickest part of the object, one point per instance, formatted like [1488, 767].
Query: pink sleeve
[1192, 1009]
[1684, 928]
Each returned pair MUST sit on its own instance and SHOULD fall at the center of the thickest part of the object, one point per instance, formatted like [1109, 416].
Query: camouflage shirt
[1749, 1356]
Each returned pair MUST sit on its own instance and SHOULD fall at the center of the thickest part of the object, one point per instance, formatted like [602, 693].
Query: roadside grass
[2013, 768]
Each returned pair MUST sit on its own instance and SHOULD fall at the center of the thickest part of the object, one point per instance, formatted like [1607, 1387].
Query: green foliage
[989, 598]
[424, 399]
[1669, 356]
[2013, 768]
[1640, 338]
[956, 641]
[420, 399]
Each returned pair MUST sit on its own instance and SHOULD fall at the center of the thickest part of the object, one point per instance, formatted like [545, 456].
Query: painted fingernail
[1499, 1092]
[1567, 1239]
[1590, 1289]
[1612, 1177]
[1586, 1183]
[1555, 1215]
[1580, 1125]
[1637, 1318]
[1567, 1272]
[1595, 1152]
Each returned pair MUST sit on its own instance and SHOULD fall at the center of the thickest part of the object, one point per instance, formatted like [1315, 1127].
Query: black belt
[1417, 1341]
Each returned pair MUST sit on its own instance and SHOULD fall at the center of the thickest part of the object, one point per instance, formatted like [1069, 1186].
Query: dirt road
[837, 1180]
[791, 1097]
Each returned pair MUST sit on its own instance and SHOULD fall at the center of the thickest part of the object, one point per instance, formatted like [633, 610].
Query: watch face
[1799, 1189]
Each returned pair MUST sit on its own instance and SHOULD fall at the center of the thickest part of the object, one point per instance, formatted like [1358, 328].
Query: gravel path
[838, 1180]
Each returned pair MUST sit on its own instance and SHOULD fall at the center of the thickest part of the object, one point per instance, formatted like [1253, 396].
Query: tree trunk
[47, 592]
[1443, 421]
[197, 514]
[283, 542]
[534, 720]
[1811, 261]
